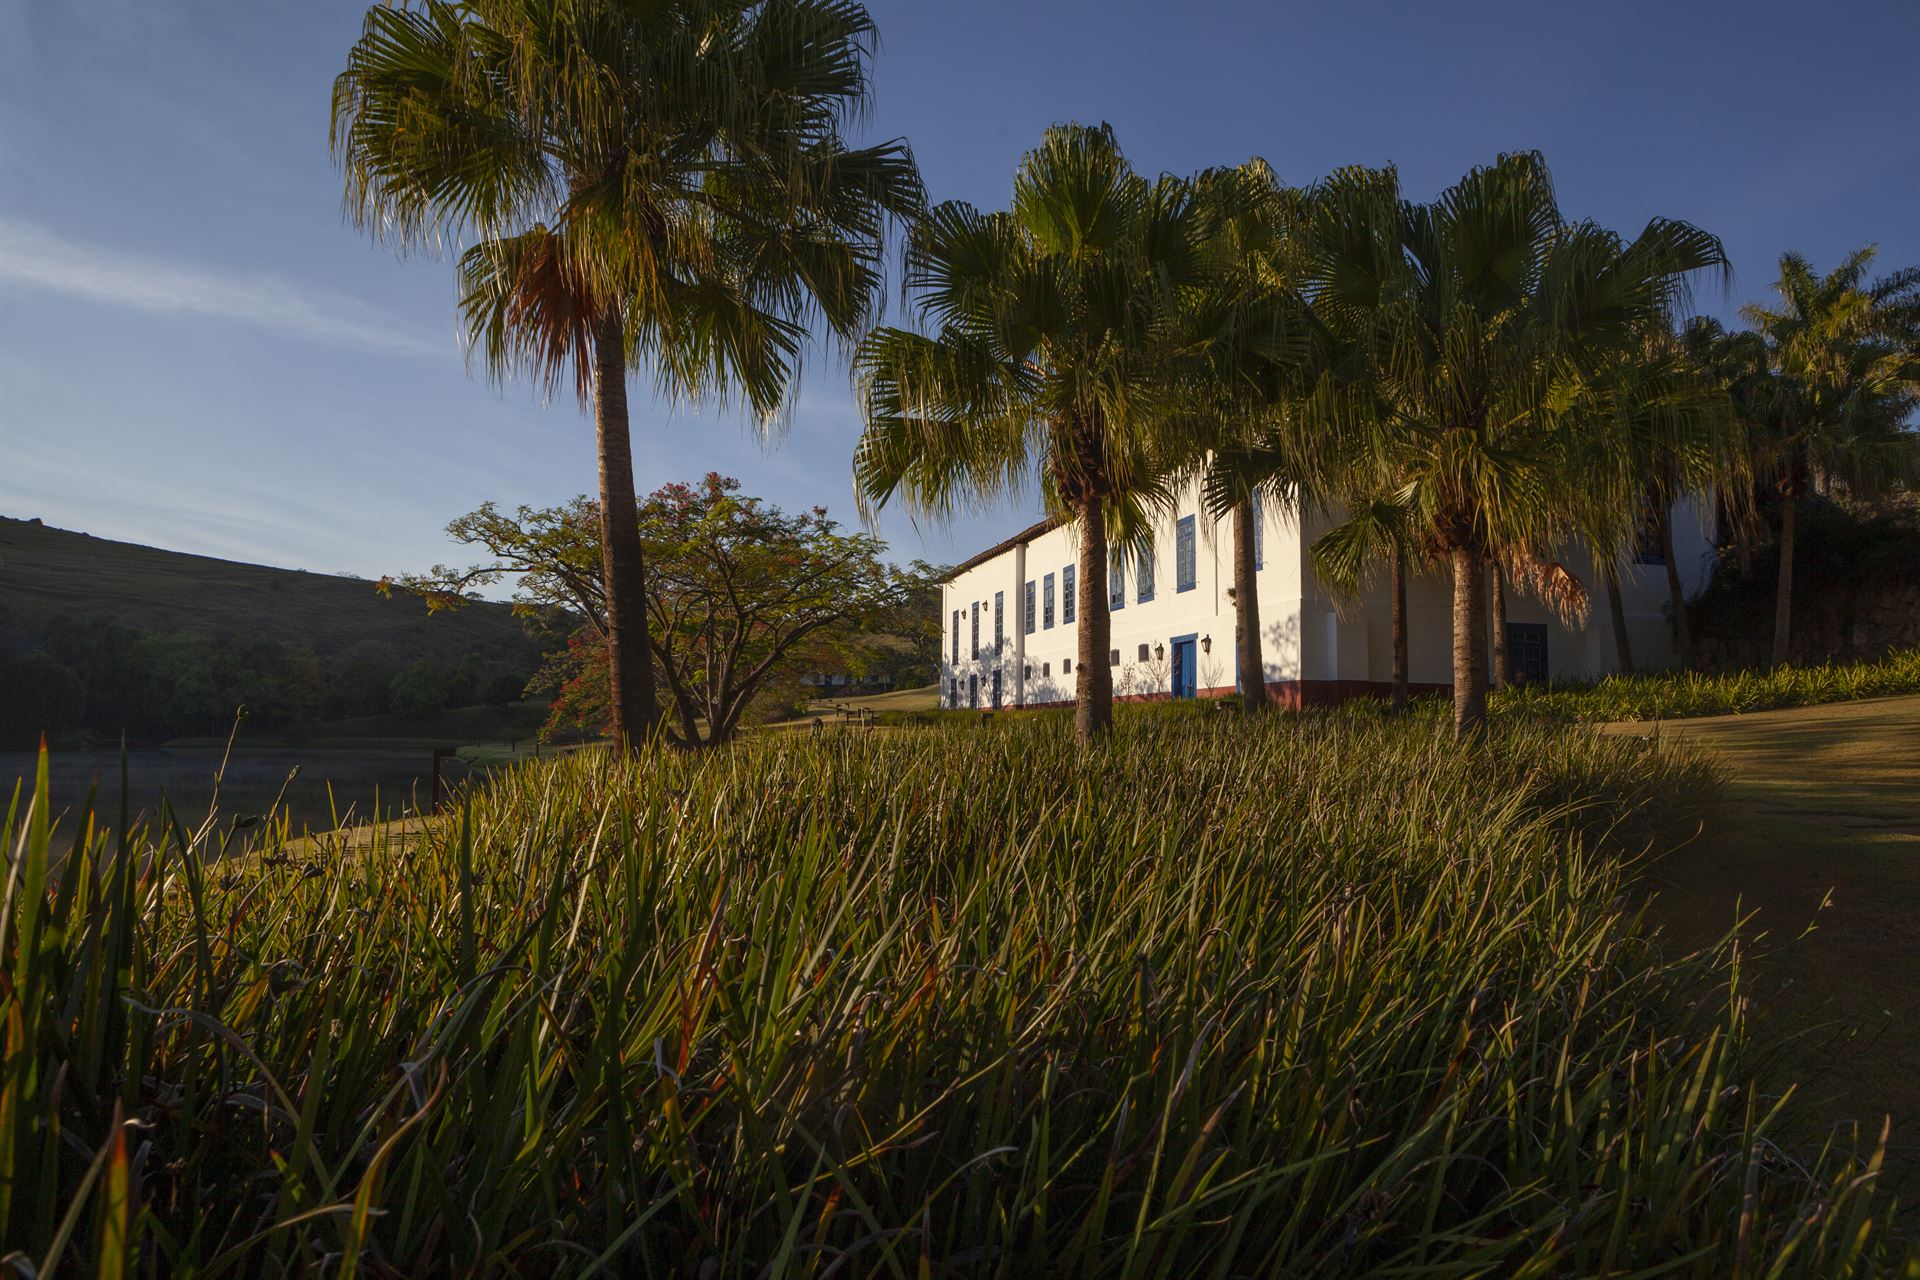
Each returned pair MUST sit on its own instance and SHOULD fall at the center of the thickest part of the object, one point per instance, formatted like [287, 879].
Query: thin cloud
[33, 258]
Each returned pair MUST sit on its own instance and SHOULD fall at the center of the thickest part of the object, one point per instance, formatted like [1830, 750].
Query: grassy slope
[1823, 800]
[46, 572]
[925, 698]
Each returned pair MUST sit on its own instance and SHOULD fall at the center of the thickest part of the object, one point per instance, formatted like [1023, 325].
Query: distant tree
[419, 692]
[740, 592]
[504, 689]
[662, 183]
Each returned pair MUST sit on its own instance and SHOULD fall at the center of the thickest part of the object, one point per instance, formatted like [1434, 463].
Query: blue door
[1183, 667]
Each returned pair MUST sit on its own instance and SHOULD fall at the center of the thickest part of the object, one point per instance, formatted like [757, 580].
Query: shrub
[1309, 995]
[1671, 695]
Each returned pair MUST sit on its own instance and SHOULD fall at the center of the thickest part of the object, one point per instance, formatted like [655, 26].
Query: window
[1646, 542]
[1026, 619]
[996, 688]
[999, 621]
[1067, 603]
[976, 630]
[1143, 653]
[1259, 506]
[973, 691]
[1143, 586]
[1185, 568]
[1066, 666]
[1046, 606]
[1046, 669]
[1116, 580]
[956, 635]
[1527, 652]
[1113, 657]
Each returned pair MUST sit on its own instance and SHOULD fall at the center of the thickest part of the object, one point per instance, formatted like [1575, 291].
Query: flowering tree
[740, 592]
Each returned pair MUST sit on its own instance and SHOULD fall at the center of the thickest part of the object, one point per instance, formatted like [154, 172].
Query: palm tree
[1487, 317]
[1842, 384]
[1674, 422]
[662, 185]
[1249, 349]
[1048, 349]
[1378, 528]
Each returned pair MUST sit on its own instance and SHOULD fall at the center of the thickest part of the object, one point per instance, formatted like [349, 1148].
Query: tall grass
[1308, 997]
[1663, 695]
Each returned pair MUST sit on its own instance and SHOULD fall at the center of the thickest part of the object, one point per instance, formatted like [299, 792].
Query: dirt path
[1821, 839]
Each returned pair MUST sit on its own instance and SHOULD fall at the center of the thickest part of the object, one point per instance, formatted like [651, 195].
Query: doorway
[1184, 685]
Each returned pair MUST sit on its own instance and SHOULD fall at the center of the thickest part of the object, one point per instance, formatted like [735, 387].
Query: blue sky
[196, 352]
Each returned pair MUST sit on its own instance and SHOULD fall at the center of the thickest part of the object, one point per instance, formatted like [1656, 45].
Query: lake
[349, 781]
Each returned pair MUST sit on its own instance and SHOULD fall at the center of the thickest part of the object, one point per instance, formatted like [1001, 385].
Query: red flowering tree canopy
[738, 592]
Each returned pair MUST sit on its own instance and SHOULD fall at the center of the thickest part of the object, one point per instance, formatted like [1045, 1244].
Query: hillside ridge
[48, 572]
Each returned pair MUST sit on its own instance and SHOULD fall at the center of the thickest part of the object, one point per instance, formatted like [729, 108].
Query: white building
[1011, 638]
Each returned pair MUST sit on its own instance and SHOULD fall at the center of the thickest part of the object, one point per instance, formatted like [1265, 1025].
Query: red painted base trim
[1328, 693]
[1292, 694]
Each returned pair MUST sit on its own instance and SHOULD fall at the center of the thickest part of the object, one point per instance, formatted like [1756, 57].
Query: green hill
[46, 573]
[99, 636]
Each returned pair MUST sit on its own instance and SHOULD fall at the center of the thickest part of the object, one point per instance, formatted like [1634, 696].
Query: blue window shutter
[1143, 574]
[999, 620]
[1116, 580]
[1068, 601]
[1185, 567]
[1027, 618]
[1046, 603]
[956, 635]
[976, 629]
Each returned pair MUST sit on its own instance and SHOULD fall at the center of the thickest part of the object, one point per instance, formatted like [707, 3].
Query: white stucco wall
[1326, 644]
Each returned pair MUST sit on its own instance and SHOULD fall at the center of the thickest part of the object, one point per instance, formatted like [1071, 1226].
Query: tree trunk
[630, 688]
[1676, 591]
[1399, 628]
[1502, 669]
[1469, 641]
[1617, 610]
[1783, 595]
[1093, 692]
[1246, 612]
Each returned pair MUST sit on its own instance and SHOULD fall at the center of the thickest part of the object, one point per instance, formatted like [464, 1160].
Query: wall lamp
[1206, 644]
[1159, 653]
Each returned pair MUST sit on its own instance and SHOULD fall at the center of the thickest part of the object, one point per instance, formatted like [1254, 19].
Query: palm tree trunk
[1617, 610]
[1783, 595]
[622, 568]
[1469, 641]
[1399, 628]
[1246, 612]
[1676, 591]
[1093, 691]
[1502, 669]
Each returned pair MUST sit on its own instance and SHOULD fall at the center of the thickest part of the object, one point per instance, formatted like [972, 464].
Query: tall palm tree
[1047, 350]
[1487, 316]
[663, 185]
[1843, 382]
[1249, 349]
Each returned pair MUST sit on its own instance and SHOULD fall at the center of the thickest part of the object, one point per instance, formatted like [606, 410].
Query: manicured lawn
[1823, 807]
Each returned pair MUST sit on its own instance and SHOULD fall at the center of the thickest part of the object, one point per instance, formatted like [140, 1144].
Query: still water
[350, 783]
